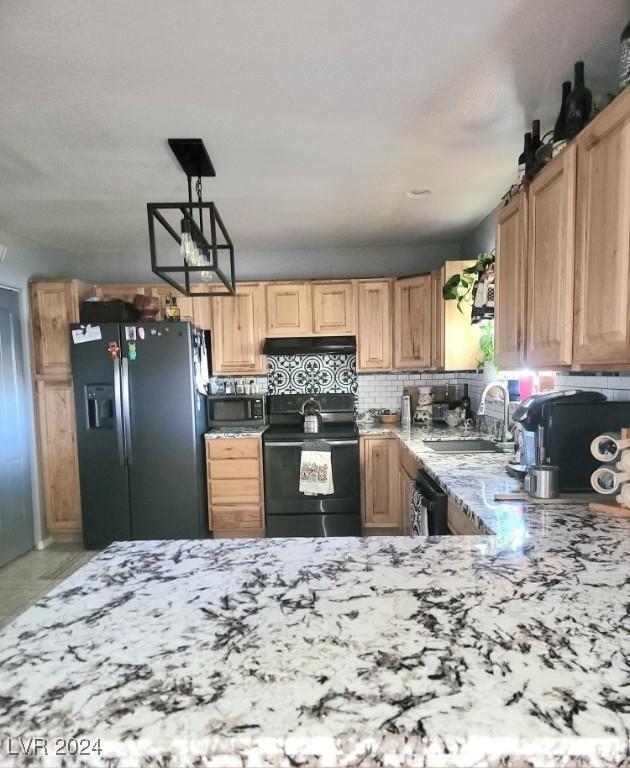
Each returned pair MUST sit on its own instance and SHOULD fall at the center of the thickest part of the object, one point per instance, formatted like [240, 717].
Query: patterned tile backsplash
[311, 374]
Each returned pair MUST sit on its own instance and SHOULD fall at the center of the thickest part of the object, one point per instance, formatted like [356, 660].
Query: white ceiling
[318, 114]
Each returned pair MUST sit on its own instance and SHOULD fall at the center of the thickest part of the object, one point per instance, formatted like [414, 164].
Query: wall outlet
[3, 252]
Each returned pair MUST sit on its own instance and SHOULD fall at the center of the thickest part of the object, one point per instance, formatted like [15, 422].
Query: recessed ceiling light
[417, 192]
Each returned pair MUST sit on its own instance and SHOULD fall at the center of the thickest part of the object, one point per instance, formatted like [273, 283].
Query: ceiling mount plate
[192, 156]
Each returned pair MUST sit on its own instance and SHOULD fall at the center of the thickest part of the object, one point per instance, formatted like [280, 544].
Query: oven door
[291, 513]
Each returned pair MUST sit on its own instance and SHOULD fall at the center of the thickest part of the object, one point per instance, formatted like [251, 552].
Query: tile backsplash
[312, 374]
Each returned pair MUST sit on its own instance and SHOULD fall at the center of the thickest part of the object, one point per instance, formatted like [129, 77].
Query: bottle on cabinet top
[523, 157]
[579, 103]
[560, 128]
[531, 163]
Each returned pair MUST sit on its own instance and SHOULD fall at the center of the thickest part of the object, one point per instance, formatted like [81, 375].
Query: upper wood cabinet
[333, 308]
[289, 311]
[238, 331]
[550, 262]
[412, 323]
[54, 305]
[374, 325]
[380, 482]
[509, 311]
[602, 290]
[454, 341]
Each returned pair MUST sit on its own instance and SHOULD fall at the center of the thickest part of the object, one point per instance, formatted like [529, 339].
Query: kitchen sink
[461, 446]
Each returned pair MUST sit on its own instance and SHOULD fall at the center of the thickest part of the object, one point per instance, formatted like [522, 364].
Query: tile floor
[25, 580]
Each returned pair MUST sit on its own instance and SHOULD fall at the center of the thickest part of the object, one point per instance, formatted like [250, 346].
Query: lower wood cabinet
[459, 523]
[407, 471]
[58, 456]
[235, 487]
[379, 483]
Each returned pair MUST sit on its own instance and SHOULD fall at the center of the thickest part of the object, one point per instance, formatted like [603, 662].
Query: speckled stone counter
[507, 649]
[231, 432]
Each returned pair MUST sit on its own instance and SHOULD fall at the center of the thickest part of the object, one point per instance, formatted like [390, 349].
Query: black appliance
[140, 425]
[235, 410]
[435, 500]
[311, 345]
[569, 428]
[289, 512]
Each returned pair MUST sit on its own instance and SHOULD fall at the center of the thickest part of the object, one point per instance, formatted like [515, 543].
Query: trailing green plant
[486, 343]
[461, 287]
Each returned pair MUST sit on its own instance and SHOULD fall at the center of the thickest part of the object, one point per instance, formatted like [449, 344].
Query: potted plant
[462, 287]
[486, 352]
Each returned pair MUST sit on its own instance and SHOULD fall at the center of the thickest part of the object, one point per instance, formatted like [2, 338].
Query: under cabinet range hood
[311, 345]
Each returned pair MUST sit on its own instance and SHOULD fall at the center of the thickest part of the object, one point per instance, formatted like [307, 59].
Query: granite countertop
[505, 649]
[231, 432]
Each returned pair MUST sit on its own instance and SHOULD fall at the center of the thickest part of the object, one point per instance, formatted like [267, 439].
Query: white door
[16, 518]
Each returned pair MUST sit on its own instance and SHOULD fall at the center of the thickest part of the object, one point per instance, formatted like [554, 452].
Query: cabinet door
[602, 291]
[333, 308]
[54, 305]
[238, 332]
[412, 323]
[509, 312]
[374, 331]
[404, 494]
[289, 310]
[58, 454]
[202, 312]
[379, 459]
[437, 329]
[550, 262]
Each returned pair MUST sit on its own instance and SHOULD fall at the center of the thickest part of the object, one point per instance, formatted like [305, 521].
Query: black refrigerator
[140, 424]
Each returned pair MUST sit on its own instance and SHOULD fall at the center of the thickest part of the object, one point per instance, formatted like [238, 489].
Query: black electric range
[290, 512]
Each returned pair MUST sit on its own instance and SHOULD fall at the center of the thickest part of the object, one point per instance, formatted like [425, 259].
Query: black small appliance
[235, 410]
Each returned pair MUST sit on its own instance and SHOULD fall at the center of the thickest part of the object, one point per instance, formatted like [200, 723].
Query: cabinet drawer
[234, 469]
[234, 449]
[234, 518]
[235, 491]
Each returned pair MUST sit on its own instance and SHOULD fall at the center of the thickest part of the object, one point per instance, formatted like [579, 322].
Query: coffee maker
[561, 425]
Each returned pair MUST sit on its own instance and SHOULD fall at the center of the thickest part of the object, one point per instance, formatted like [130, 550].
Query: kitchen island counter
[509, 648]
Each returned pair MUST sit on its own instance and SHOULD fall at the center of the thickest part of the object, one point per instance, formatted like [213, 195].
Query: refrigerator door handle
[126, 409]
[118, 414]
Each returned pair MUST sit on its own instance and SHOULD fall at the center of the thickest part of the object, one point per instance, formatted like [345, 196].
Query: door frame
[40, 538]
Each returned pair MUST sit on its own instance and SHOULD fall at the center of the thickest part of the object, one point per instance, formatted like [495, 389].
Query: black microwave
[235, 410]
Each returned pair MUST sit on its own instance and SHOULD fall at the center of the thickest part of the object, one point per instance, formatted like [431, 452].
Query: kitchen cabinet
[407, 471]
[289, 310]
[602, 262]
[238, 331]
[235, 487]
[510, 275]
[54, 305]
[374, 325]
[333, 308]
[412, 323]
[550, 263]
[454, 341]
[459, 523]
[58, 457]
[380, 482]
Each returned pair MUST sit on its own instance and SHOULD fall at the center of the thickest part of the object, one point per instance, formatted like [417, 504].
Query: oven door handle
[301, 443]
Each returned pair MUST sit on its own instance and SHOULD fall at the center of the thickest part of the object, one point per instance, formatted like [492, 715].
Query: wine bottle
[465, 404]
[624, 59]
[579, 103]
[560, 128]
[531, 165]
[175, 311]
[522, 157]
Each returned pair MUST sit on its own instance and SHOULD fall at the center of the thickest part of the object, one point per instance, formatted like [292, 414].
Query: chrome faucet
[481, 411]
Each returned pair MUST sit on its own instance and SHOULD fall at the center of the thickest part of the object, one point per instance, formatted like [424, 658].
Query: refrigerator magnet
[130, 333]
[113, 349]
[131, 350]
[141, 333]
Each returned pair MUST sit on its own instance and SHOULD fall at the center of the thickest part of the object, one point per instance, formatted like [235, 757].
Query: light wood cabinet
[602, 291]
[454, 341]
[550, 263]
[459, 523]
[412, 323]
[235, 487]
[54, 305]
[289, 310]
[333, 308]
[58, 456]
[407, 472]
[509, 313]
[374, 325]
[238, 331]
[380, 482]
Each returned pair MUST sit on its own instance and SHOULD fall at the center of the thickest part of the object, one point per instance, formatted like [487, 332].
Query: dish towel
[417, 513]
[316, 478]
